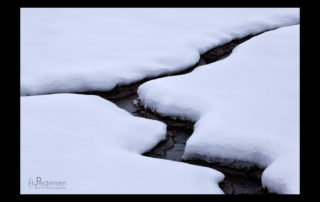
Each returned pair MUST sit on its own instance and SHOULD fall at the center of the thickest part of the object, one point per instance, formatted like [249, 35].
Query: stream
[236, 181]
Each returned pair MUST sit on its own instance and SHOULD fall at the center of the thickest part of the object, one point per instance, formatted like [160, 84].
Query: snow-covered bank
[246, 107]
[85, 49]
[94, 147]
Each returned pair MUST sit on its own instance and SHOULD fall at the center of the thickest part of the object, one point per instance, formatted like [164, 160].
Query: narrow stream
[237, 181]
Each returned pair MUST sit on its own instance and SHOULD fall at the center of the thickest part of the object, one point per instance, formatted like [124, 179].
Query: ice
[85, 49]
[94, 147]
[246, 107]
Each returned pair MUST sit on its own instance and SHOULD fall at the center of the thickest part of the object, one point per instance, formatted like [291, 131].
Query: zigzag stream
[236, 181]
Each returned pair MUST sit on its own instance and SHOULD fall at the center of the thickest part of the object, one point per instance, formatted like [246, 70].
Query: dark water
[237, 181]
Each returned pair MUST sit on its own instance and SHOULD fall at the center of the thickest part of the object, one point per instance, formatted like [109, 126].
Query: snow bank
[246, 107]
[91, 146]
[83, 49]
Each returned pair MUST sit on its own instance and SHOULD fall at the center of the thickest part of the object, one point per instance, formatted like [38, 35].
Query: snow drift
[85, 49]
[246, 107]
[94, 147]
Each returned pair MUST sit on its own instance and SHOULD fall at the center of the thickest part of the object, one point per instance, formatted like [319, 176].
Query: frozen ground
[85, 49]
[246, 107]
[95, 147]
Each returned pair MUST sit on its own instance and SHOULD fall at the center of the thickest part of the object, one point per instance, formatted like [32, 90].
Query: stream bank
[236, 181]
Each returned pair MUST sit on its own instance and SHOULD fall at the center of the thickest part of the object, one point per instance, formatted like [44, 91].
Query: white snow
[246, 107]
[83, 49]
[94, 147]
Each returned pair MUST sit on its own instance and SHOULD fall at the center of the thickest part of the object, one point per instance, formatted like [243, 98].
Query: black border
[15, 92]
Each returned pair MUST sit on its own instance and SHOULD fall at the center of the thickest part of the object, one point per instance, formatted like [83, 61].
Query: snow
[93, 147]
[84, 49]
[246, 107]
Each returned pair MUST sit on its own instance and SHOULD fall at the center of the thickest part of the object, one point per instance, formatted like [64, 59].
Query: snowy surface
[246, 107]
[82, 49]
[95, 147]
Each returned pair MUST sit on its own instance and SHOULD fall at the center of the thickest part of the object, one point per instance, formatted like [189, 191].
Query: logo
[39, 183]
